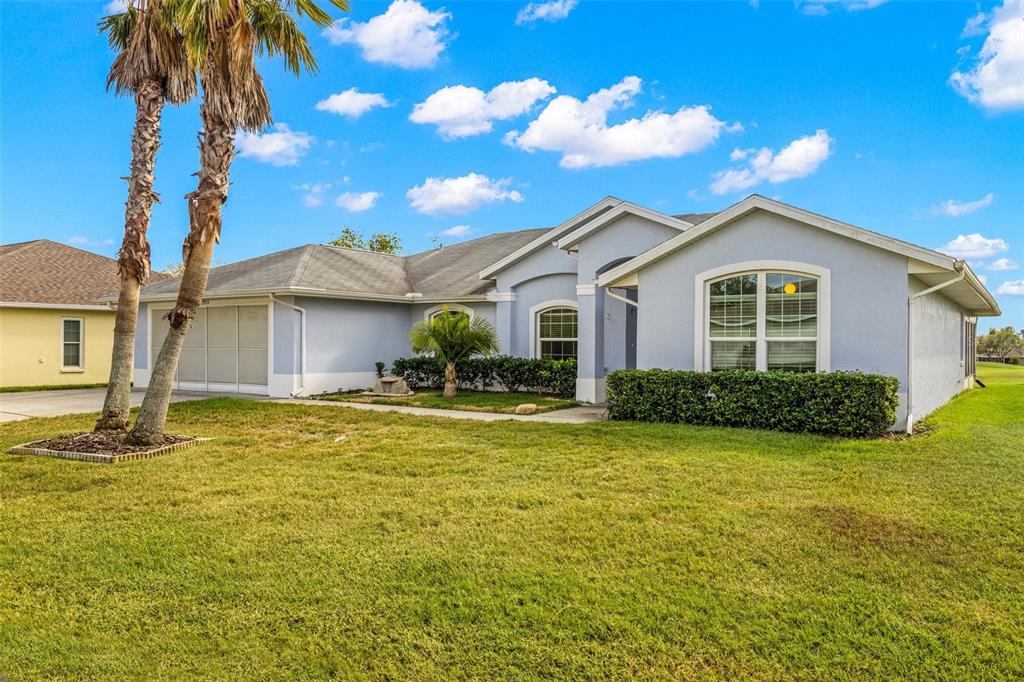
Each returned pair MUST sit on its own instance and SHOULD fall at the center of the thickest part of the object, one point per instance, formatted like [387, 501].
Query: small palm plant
[451, 339]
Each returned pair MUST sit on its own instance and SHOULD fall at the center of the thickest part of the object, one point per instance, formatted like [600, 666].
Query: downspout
[959, 267]
[302, 347]
[621, 298]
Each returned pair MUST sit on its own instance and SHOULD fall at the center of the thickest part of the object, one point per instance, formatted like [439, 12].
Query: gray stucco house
[761, 285]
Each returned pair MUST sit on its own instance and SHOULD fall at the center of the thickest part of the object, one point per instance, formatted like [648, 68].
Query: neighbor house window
[71, 343]
[556, 333]
[763, 320]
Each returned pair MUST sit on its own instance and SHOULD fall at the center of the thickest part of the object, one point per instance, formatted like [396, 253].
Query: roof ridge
[300, 268]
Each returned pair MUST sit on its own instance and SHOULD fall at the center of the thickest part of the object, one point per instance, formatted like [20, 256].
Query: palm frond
[453, 338]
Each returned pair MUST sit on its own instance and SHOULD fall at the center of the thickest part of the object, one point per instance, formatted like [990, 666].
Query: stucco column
[590, 345]
[503, 303]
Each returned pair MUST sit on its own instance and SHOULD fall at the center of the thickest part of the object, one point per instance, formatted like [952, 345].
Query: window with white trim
[71, 329]
[763, 320]
[437, 312]
[557, 330]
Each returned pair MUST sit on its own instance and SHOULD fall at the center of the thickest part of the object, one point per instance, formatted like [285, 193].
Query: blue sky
[906, 118]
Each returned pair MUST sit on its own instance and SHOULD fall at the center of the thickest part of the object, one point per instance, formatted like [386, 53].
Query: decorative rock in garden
[526, 408]
[390, 387]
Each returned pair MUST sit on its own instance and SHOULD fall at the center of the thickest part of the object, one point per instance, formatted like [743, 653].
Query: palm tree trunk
[216, 149]
[449, 380]
[133, 258]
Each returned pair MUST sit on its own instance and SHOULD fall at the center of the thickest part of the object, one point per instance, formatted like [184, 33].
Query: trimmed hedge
[556, 377]
[850, 404]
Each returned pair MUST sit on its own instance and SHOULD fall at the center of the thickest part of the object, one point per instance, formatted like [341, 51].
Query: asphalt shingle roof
[43, 271]
[449, 272]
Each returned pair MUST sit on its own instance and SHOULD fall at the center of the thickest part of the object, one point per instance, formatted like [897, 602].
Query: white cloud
[357, 202]
[283, 147]
[974, 247]
[996, 80]
[819, 8]
[983, 279]
[1013, 287]
[314, 193]
[406, 35]
[579, 130]
[555, 10]
[1003, 264]
[461, 111]
[956, 209]
[457, 231]
[460, 195]
[80, 240]
[798, 159]
[352, 103]
[115, 6]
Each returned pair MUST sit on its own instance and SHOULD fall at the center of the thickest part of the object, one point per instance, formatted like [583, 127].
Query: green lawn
[316, 542]
[474, 401]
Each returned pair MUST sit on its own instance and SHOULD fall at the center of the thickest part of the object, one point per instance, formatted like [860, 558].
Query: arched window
[452, 308]
[763, 320]
[557, 329]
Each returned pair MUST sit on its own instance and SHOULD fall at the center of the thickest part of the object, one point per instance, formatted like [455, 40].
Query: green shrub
[830, 403]
[556, 377]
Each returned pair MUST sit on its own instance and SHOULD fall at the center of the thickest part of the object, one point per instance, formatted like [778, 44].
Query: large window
[557, 330]
[763, 320]
[71, 342]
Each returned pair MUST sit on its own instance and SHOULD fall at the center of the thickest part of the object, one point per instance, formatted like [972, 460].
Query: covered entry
[225, 350]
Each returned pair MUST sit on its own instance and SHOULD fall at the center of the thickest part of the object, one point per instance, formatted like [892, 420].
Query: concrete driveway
[16, 406]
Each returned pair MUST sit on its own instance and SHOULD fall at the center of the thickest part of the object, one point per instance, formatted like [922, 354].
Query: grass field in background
[310, 542]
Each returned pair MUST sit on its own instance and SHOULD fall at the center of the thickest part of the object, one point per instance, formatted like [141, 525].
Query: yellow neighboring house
[53, 329]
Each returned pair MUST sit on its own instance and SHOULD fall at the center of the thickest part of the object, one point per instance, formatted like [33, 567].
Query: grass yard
[314, 542]
[474, 401]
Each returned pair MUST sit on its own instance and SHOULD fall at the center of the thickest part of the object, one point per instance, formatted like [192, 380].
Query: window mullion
[761, 352]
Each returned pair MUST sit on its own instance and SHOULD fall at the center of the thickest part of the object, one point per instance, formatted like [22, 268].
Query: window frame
[535, 313]
[702, 310]
[81, 344]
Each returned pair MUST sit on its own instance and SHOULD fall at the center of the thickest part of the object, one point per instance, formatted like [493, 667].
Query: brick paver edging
[97, 458]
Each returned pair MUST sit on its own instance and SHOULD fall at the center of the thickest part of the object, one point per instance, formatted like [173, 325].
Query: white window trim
[535, 312]
[701, 312]
[434, 310]
[81, 345]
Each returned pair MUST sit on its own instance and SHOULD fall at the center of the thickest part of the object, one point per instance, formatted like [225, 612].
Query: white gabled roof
[550, 236]
[572, 240]
[927, 257]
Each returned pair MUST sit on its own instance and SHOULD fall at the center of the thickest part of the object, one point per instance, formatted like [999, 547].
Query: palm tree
[152, 65]
[451, 339]
[223, 39]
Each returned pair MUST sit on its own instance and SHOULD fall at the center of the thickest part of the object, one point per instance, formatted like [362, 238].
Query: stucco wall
[349, 336]
[530, 294]
[938, 372]
[547, 261]
[31, 350]
[868, 299]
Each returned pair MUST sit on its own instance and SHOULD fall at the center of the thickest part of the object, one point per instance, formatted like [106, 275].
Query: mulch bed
[103, 447]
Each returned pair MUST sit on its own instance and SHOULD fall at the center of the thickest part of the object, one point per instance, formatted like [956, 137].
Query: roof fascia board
[57, 306]
[546, 238]
[325, 293]
[573, 238]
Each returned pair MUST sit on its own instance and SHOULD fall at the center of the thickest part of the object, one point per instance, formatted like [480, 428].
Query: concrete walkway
[572, 415]
[27, 404]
